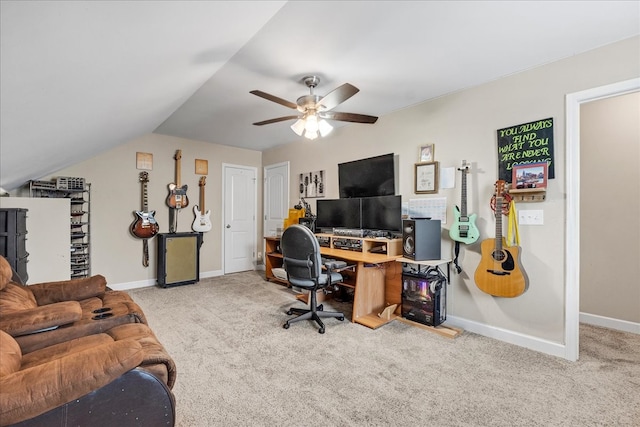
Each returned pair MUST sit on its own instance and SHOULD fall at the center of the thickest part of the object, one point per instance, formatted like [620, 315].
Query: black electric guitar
[464, 228]
[202, 222]
[500, 273]
[177, 198]
[145, 225]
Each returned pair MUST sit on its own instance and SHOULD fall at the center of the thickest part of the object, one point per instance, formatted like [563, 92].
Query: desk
[376, 279]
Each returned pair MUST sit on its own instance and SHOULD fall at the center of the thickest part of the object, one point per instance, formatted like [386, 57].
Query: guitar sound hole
[498, 256]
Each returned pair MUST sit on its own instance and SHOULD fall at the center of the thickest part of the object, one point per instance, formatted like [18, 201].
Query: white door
[276, 197]
[239, 218]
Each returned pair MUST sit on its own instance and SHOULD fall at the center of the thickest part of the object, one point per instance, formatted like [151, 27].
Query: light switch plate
[531, 217]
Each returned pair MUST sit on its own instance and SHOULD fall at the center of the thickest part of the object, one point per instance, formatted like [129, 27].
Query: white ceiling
[81, 77]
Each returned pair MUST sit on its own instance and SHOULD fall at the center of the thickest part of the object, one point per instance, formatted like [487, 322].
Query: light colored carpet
[237, 366]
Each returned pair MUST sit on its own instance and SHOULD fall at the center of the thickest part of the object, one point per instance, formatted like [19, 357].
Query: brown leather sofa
[44, 314]
[62, 362]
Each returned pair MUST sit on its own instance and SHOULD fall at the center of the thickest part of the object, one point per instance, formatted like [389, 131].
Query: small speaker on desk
[421, 239]
[310, 223]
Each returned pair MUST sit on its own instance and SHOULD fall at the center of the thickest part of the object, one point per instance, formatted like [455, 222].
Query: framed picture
[426, 153]
[312, 184]
[426, 178]
[532, 175]
[144, 161]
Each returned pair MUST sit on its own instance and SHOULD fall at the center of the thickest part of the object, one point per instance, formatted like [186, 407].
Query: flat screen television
[374, 176]
[338, 213]
[382, 213]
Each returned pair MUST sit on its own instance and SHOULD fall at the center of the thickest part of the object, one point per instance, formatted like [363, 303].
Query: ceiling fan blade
[337, 96]
[279, 119]
[275, 99]
[348, 117]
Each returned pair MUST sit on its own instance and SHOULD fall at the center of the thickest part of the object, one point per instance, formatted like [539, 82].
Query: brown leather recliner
[121, 377]
[45, 314]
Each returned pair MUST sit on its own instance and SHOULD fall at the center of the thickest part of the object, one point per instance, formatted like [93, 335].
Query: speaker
[421, 239]
[178, 258]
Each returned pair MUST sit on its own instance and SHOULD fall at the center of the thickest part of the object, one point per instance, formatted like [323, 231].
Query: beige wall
[116, 194]
[463, 126]
[610, 207]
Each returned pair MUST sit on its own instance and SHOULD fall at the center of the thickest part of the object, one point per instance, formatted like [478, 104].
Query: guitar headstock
[500, 186]
[178, 155]
[144, 177]
[465, 166]
[203, 181]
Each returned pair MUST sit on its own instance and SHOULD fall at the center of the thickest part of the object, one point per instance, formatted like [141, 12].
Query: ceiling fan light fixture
[298, 127]
[311, 135]
[311, 123]
[324, 127]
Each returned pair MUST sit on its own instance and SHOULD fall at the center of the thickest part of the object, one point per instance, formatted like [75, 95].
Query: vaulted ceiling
[78, 78]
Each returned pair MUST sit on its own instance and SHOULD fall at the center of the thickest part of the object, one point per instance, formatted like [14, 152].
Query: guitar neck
[178, 172]
[144, 197]
[202, 209]
[463, 202]
[498, 223]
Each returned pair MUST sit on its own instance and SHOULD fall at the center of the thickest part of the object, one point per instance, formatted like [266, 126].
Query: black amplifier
[424, 298]
[348, 244]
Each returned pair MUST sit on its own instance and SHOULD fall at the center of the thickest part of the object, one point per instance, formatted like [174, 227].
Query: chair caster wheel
[320, 307]
[321, 330]
[286, 326]
[341, 318]
[289, 312]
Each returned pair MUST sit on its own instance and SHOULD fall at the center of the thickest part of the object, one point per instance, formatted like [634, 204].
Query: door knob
[228, 225]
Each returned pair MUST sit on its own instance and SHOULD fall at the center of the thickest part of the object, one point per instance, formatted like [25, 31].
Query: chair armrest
[69, 290]
[36, 390]
[32, 320]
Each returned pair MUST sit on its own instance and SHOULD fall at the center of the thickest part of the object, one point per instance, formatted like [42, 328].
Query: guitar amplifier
[178, 258]
[424, 298]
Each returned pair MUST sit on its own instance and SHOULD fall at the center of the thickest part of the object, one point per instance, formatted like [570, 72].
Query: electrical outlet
[259, 256]
[531, 217]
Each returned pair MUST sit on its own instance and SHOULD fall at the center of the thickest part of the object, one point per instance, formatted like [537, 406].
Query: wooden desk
[375, 278]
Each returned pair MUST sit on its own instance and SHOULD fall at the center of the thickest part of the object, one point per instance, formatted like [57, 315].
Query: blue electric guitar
[464, 228]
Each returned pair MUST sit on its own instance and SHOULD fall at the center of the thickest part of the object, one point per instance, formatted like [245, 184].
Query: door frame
[573, 102]
[223, 218]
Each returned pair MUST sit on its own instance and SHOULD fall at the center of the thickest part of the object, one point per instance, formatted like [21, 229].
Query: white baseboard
[152, 282]
[522, 340]
[608, 322]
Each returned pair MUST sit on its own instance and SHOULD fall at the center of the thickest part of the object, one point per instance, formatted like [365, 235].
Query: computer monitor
[382, 213]
[338, 213]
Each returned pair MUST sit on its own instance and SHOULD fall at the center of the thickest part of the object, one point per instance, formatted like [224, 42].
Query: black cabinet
[13, 237]
[178, 258]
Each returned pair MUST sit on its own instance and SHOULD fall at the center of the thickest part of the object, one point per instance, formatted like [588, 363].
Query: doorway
[239, 218]
[572, 230]
[276, 197]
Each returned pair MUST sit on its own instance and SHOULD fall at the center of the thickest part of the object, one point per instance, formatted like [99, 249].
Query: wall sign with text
[523, 144]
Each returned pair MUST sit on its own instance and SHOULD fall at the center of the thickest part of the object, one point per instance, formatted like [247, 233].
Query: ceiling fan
[314, 110]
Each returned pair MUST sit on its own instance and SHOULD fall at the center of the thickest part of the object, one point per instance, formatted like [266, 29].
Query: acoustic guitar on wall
[177, 198]
[500, 273]
[202, 223]
[464, 228]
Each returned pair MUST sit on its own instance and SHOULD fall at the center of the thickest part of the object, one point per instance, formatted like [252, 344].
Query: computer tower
[421, 239]
[178, 258]
[424, 298]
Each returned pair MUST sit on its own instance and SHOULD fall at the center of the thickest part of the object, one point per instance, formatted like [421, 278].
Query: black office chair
[303, 264]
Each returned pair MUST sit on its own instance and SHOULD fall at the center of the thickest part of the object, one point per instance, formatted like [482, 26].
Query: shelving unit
[79, 193]
[13, 236]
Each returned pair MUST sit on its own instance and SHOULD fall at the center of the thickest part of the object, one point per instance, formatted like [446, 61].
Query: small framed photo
[532, 175]
[426, 153]
[426, 178]
[144, 161]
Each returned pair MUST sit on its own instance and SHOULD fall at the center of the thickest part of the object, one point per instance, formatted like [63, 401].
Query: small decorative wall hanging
[144, 161]
[312, 184]
[426, 153]
[202, 167]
